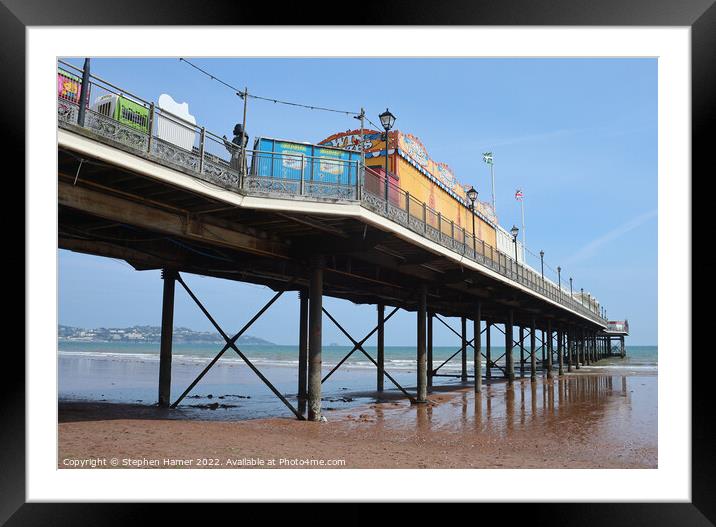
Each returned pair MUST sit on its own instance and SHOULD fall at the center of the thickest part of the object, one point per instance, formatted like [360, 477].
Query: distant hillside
[146, 334]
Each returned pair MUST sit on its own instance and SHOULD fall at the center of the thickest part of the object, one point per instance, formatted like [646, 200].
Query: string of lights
[242, 94]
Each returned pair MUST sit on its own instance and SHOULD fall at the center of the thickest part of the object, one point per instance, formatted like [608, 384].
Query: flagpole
[524, 236]
[492, 175]
[487, 158]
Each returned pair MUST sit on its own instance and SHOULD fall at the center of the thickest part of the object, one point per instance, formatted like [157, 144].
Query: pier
[126, 192]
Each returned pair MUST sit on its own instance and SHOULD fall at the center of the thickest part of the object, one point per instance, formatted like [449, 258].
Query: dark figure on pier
[236, 147]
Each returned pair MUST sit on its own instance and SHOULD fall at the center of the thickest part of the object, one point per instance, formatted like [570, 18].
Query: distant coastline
[147, 334]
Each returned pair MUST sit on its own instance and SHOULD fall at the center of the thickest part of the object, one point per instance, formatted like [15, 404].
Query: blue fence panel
[281, 159]
[287, 160]
[332, 165]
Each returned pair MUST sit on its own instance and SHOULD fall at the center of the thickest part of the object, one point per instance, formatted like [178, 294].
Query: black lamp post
[559, 281]
[581, 295]
[84, 92]
[387, 119]
[515, 231]
[541, 259]
[472, 196]
[571, 295]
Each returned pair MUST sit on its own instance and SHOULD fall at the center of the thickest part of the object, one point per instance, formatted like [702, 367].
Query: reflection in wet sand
[581, 411]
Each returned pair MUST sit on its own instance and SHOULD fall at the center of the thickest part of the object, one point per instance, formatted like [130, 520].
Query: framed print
[419, 256]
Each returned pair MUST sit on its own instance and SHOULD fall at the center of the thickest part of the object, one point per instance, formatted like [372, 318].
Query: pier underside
[109, 211]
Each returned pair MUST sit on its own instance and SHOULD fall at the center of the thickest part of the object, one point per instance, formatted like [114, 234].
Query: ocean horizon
[127, 373]
[398, 357]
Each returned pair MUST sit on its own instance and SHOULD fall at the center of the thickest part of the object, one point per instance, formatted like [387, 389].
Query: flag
[518, 195]
[487, 157]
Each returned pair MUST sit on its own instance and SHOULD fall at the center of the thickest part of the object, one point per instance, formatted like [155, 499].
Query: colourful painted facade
[424, 179]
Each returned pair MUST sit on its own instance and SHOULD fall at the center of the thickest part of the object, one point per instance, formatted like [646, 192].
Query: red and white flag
[519, 195]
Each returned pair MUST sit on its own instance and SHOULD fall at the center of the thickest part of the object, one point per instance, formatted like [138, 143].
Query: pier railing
[145, 129]
[619, 326]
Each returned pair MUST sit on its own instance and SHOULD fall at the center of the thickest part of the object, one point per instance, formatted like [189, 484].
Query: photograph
[357, 262]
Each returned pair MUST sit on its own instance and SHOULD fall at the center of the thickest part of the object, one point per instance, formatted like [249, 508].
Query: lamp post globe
[387, 119]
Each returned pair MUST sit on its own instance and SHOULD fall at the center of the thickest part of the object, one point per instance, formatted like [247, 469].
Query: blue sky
[579, 136]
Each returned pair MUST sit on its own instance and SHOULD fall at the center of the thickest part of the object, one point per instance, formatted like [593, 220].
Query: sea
[128, 373]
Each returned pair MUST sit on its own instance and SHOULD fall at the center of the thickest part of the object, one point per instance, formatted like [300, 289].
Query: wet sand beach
[594, 418]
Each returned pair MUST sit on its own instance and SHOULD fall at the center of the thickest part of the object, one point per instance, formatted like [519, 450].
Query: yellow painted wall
[424, 190]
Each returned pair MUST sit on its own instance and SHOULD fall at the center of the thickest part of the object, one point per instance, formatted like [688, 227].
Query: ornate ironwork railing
[200, 153]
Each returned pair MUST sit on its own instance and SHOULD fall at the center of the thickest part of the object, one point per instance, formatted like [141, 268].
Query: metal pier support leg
[587, 348]
[522, 351]
[593, 347]
[509, 343]
[430, 349]
[463, 354]
[165, 349]
[381, 348]
[302, 352]
[560, 352]
[570, 343]
[533, 351]
[543, 349]
[621, 345]
[488, 351]
[585, 357]
[422, 353]
[477, 346]
[549, 349]
[315, 341]
[577, 349]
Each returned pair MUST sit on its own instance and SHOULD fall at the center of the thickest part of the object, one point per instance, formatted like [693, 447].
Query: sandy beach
[594, 418]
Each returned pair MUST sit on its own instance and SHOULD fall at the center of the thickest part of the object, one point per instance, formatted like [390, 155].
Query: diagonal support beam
[468, 345]
[356, 345]
[231, 343]
[360, 347]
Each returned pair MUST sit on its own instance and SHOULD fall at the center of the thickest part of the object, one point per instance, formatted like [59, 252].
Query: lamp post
[387, 119]
[541, 259]
[515, 231]
[559, 281]
[571, 295]
[84, 92]
[472, 196]
[581, 295]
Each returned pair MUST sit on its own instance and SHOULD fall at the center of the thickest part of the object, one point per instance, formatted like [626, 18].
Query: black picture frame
[699, 15]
